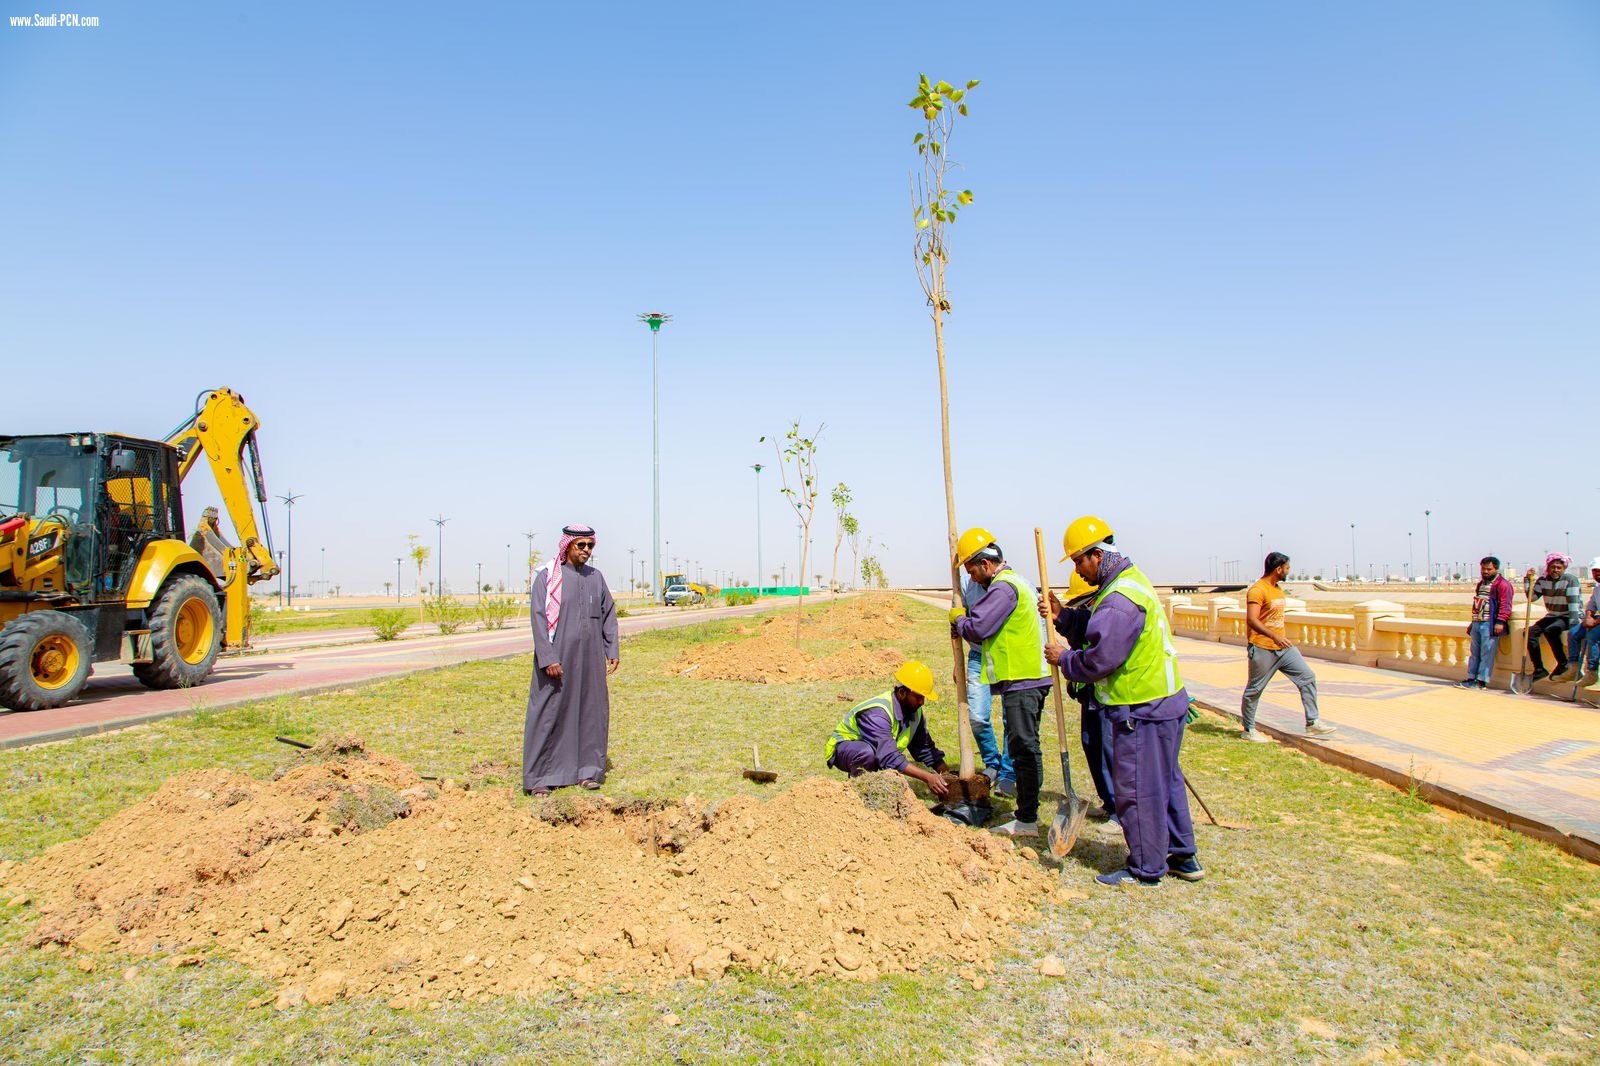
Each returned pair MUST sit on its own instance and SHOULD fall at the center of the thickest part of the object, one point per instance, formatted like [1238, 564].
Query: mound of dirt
[770, 655]
[470, 896]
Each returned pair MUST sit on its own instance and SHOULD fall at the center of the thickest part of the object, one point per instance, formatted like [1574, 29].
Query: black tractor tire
[185, 634]
[45, 658]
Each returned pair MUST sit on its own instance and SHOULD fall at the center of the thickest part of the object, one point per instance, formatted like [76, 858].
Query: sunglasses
[583, 544]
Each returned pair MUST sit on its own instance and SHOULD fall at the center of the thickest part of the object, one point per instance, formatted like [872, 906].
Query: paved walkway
[1524, 761]
[114, 699]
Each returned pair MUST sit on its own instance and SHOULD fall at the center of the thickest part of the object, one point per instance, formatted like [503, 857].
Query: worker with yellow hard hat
[1121, 646]
[889, 730]
[1005, 624]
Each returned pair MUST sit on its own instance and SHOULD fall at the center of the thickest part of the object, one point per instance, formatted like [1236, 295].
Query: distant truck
[676, 589]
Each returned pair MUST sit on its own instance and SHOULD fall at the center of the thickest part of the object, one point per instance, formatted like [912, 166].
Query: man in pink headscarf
[1563, 605]
[568, 724]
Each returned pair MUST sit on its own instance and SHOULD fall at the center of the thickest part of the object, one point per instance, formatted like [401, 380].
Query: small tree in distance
[800, 453]
[841, 503]
[419, 553]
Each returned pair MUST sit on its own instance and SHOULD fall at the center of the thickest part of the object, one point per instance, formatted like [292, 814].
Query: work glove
[957, 614]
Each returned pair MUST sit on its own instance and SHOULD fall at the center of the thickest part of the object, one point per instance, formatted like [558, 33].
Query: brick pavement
[1525, 761]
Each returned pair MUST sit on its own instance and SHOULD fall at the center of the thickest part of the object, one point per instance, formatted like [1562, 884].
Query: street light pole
[324, 577]
[1353, 573]
[1411, 563]
[288, 502]
[280, 578]
[530, 537]
[630, 566]
[508, 568]
[1261, 546]
[1427, 518]
[760, 574]
[439, 560]
[397, 579]
[654, 320]
[480, 583]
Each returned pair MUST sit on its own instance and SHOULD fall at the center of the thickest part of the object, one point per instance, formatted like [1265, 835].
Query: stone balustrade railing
[1377, 633]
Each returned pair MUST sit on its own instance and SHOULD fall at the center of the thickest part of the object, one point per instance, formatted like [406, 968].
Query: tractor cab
[91, 500]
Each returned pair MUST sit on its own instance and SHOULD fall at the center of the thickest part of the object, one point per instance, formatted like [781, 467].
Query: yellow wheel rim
[194, 631]
[55, 661]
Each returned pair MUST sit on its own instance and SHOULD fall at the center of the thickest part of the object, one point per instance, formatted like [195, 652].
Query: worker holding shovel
[1120, 644]
[1006, 623]
[889, 730]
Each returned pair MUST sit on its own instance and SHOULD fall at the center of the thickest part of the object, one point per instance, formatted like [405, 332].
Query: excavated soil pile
[771, 657]
[467, 896]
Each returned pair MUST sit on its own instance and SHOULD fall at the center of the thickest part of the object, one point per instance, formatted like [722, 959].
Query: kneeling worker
[879, 733]
[1122, 647]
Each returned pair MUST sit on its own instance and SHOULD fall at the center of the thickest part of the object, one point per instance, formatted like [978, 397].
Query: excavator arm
[223, 429]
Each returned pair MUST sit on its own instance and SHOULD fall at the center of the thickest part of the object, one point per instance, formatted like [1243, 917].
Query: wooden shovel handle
[1055, 674]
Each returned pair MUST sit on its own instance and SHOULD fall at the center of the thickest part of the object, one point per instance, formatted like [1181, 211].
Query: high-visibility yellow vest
[1016, 651]
[1151, 672]
[849, 729]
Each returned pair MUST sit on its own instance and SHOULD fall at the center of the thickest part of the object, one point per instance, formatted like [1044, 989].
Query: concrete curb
[1461, 801]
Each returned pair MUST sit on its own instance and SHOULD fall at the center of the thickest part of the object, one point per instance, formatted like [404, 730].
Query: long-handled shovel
[1522, 680]
[1072, 809]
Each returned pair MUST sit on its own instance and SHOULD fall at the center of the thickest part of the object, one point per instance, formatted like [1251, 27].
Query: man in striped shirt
[1563, 605]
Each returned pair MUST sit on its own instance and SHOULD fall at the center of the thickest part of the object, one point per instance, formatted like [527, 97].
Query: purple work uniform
[1145, 737]
[876, 750]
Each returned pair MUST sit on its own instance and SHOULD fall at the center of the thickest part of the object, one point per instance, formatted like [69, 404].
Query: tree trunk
[957, 652]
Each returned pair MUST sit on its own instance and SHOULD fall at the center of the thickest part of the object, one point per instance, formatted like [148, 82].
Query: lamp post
[397, 579]
[1427, 518]
[530, 537]
[1261, 546]
[439, 559]
[508, 568]
[480, 583]
[1353, 572]
[324, 576]
[655, 319]
[280, 578]
[759, 578]
[1411, 564]
[641, 575]
[288, 502]
[630, 566]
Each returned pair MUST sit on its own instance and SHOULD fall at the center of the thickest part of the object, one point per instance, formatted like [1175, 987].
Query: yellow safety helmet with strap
[1083, 534]
[972, 542]
[915, 675]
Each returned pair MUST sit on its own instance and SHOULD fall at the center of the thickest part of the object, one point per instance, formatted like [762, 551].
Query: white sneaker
[1254, 737]
[1015, 828]
[1320, 728]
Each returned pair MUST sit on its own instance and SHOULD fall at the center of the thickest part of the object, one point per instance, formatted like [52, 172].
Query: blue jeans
[980, 711]
[1584, 643]
[1485, 646]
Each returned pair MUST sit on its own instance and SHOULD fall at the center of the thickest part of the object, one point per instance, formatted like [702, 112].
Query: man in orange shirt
[1271, 650]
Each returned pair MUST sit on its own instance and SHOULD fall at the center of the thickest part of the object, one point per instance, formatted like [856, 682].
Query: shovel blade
[1522, 684]
[1068, 823]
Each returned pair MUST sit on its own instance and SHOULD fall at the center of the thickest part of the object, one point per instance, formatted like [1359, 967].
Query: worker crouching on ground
[880, 733]
[1005, 623]
[1120, 644]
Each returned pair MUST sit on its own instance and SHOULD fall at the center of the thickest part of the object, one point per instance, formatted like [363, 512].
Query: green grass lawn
[1351, 922]
[267, 623]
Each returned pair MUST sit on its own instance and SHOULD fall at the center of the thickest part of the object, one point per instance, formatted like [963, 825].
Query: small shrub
[738, 597]
[495, 611]
[389, 622]
[447, 612]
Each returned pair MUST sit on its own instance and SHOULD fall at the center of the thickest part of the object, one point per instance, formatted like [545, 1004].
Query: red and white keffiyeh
[553, 578]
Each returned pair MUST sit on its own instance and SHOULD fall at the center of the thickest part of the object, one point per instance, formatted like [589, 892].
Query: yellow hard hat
[915, 675]
[1083, 534]
[1078, 588]
[972, 542]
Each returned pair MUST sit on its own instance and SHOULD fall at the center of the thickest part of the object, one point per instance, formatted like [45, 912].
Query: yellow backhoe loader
[94, 566]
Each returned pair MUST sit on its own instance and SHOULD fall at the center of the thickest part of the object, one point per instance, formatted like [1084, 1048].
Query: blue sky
[1233, 269]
